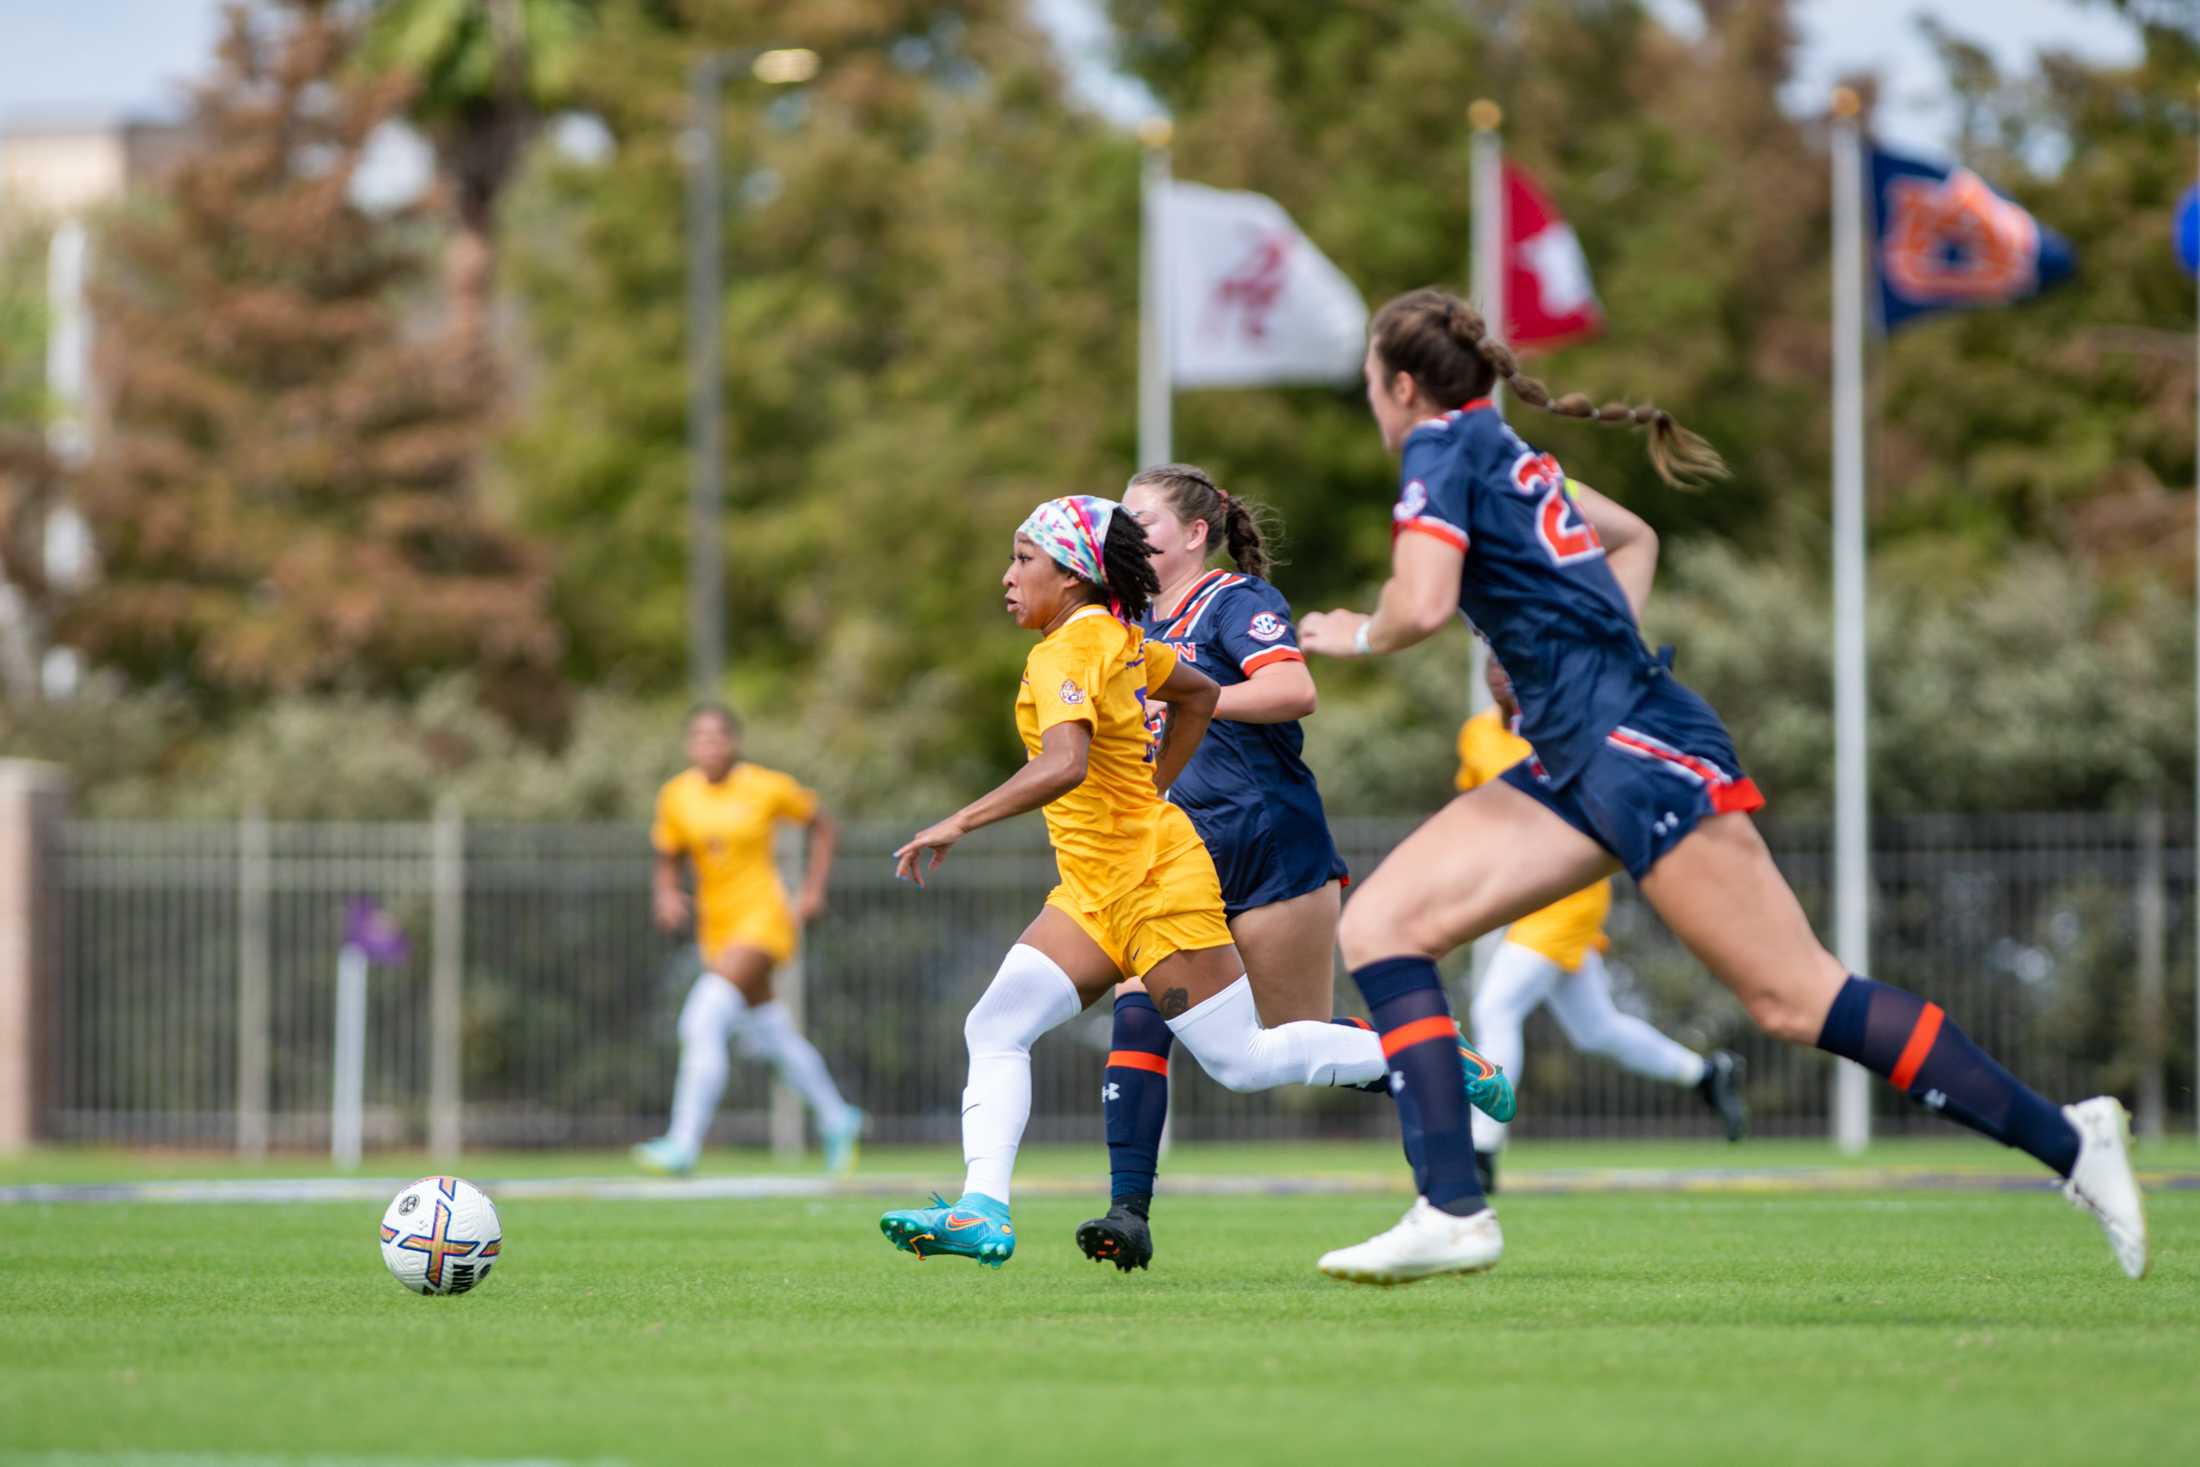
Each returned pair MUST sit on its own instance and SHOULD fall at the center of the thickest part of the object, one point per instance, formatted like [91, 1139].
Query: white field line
[258, 1459]
[750, 1189]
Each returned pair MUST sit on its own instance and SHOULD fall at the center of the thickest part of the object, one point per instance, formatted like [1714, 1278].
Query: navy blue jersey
[1230, 625]
[1535, 585]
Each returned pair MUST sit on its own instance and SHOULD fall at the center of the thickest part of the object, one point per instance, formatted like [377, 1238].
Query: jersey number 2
[1558, 522]
[1564, 533]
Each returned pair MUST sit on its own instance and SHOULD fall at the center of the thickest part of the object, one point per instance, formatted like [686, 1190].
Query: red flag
[1549, 300]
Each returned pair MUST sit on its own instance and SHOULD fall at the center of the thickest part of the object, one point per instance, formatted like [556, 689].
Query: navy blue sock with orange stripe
[1427, 1078]
[1922, 1053]
[1135, 1098]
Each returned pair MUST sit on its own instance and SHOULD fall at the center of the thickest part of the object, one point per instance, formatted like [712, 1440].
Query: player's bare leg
[1290, 952]
[1722, 896]
[1489, 857]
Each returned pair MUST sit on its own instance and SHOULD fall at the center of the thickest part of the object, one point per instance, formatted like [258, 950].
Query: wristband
[1360, 648]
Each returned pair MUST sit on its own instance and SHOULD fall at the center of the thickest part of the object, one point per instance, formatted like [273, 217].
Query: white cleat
[2101, 1183]
[1426, 1242]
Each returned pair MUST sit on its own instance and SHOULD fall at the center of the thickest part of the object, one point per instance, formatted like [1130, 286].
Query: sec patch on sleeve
[1266, 627]
[1071, 693]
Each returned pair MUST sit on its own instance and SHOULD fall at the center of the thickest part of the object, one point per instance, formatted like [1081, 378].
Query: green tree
[930, 278]
[30, 478]
[283, 498]
[484, 74]
[1701, 206]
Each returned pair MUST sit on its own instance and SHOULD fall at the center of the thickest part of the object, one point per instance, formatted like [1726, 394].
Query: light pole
[777, 66]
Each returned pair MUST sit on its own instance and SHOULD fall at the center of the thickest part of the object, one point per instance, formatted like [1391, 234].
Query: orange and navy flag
[1944, 240]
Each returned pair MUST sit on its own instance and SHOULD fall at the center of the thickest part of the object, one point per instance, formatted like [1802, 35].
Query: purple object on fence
[374, 932]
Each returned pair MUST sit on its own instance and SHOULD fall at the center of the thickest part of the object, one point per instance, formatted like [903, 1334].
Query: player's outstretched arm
[1053, 772]
[1191, 696]
[1630, 545]
[1421, 595]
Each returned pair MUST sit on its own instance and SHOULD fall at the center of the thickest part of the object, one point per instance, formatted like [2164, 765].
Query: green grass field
[1859, 1325]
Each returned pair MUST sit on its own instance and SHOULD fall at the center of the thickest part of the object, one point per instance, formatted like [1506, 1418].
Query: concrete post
[34, 798]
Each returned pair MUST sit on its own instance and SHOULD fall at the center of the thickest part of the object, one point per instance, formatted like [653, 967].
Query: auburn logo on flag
[1946, 240]
[1957, 240]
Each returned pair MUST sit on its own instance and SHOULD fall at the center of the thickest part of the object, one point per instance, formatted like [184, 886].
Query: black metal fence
[196, 980]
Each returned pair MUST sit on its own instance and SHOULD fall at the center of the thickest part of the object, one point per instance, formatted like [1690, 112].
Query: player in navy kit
[1257, 810]
[1630, 769]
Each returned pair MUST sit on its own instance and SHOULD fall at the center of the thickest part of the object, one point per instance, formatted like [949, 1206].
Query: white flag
[1251, 301]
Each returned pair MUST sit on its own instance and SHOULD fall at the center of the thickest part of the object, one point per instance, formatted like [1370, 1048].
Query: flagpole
[1851, 770]
[1486, 283]
[1154, 386]
[1486, 267]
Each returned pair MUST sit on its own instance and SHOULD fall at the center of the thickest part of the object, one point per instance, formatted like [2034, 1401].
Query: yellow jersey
[725, 830]
[1093, 669]
[1567, 929]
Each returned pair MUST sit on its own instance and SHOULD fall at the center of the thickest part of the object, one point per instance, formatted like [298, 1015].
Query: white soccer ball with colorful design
[441, 1236]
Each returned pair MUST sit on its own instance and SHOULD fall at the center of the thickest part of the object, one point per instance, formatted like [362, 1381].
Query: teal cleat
[975, 1227]
[664, 1156]
[1488, 1090]
[841, 1141]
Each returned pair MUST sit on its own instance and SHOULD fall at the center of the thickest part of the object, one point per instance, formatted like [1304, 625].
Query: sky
[107, 57]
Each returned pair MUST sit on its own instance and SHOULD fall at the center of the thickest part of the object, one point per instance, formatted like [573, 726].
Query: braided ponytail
[1443, 343]
[1242, 527]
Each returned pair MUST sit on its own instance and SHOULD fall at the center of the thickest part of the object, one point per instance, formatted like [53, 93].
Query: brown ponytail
[1243, 528]
[1445, 346]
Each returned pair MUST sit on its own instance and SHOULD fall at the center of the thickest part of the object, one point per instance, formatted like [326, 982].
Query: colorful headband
[1072, 530]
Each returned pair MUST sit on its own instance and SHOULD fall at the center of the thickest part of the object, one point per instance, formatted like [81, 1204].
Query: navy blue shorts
[1268, 853]
[1668, 768]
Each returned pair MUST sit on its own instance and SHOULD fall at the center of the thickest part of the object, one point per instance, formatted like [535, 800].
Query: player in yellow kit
[719, 818]
[1138, 896]
[1555, 956]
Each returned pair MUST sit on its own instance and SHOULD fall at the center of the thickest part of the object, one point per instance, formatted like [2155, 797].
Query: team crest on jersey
[1266, 627]
[1411, 502]
[1071, 693]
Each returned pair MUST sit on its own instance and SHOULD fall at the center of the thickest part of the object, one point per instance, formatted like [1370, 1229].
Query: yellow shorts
[766, 926]
[1177, 908]
[1568, 929]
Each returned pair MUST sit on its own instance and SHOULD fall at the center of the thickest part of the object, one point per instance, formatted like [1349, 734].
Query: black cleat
[1485, 1168]
[1121, 1238]
[1721, 1089]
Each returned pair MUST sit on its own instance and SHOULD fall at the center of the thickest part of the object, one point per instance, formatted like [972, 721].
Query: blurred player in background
[1138, 896]
[1556, 956]
[1257, 809]
[1630, 769]
[719, 817]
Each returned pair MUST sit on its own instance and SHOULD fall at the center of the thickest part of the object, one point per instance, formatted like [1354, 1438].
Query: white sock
[707, 1020]
[1224, 1034]
[1028, 996]
[1511, 987]
[1582, 1004]
[773, 1036]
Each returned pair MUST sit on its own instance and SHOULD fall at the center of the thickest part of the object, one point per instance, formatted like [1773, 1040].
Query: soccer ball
[441, 1236]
